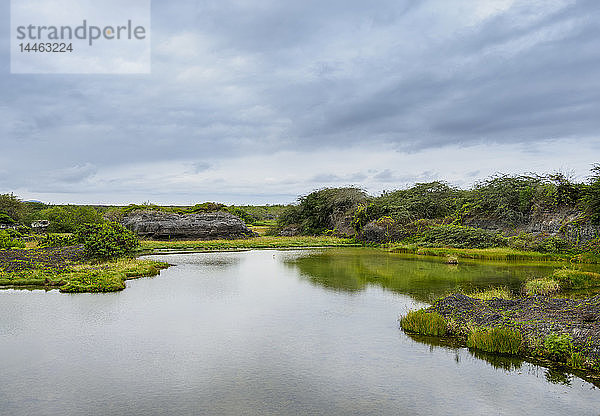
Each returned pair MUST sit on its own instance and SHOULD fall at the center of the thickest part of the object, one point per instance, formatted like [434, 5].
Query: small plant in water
[425, 323]
[498, 340]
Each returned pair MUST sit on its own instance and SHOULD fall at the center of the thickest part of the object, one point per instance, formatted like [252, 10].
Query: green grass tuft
[424, 323]
[491, 293]
[576, 279]
[544, 287]
[496, 340]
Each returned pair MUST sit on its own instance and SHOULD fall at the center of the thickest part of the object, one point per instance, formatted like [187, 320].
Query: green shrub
[558, 347]
[461, 237]
[429, 200]
[592, 195]
[425, 323]
[492, 293]
[59, 240]
[68, 218]
[95, 281]
[12, 206]
[239, 212]
[497, 340]
[108, 240]
[206, 207]
[6, 219]
[322, 210]
[7, 241]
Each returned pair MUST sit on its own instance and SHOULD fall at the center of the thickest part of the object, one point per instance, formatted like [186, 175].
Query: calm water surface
[267, 332]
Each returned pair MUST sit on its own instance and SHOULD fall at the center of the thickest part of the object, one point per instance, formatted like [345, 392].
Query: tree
[592, 197]
[12, 206]
[68, 218]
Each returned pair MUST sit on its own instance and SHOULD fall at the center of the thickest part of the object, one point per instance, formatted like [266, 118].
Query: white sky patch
[281, 177]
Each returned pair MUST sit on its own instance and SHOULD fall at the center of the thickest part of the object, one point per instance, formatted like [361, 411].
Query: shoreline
[564, 332]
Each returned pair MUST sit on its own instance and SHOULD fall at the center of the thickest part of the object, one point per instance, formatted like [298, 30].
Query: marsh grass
[562, 279]
[497, 340]
[498, 253]
[266, 242]
[543, 286]
[491, 293]
[424, 323]
[576, 279]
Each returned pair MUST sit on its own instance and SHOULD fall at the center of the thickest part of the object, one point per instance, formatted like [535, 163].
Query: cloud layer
[259, 101]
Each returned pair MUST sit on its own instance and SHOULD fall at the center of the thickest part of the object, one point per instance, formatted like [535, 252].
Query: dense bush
[59, 240]
[243, 214]
[206, 207]
[540, 243]
[461, 237]
[9, 239]
[6, 219]
[423, 200]
[68, 218]
[592, 195]
[504, 198]
[12, 206]
[107, 240]
[322, 210]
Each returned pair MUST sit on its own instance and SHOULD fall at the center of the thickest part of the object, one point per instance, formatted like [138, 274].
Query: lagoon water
[268, 332]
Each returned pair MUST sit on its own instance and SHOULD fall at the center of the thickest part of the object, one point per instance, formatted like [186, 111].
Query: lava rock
[203, 226]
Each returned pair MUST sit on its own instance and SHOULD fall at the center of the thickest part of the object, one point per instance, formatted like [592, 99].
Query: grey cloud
[201, 166]
[389, 176]
[308, 76]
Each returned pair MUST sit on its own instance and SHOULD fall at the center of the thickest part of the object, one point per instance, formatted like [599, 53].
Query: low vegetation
[10, 239]
[492, 293]
[496, 340]
[564, 331]
[102, 276]
[424, 323]
[500, 254]
[562, 280]
[263, 242]
[95, 259]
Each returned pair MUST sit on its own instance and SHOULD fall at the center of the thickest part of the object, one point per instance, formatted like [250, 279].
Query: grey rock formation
[205, 226]
[570, 224]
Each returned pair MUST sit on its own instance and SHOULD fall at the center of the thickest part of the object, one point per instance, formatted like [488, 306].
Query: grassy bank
[501, 253]
[63, 269]
[565, 332]
[562, 280]
[262, 242]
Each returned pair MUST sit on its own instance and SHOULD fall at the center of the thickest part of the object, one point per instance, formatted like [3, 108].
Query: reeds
[424, 323]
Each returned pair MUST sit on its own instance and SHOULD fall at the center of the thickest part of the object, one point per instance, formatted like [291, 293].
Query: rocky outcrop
[381, 232]
[205, 226]
[569, 224]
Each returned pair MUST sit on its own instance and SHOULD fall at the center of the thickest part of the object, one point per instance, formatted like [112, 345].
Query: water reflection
[252, 333]
[501, 362]
[423, 278]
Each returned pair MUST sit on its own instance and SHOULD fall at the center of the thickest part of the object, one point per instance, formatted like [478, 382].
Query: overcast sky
[259, 101]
